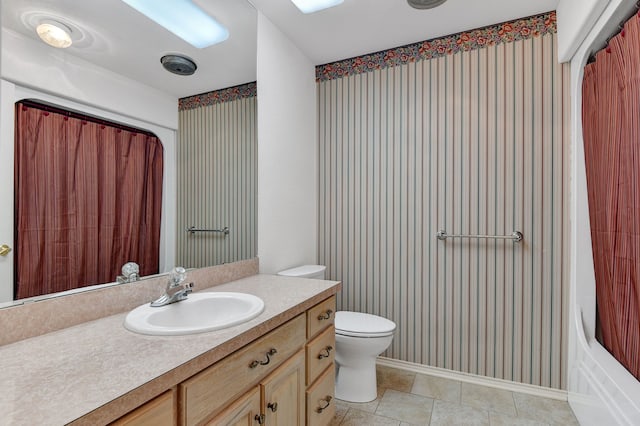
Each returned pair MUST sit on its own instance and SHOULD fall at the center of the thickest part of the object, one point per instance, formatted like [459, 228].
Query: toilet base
[357, 383]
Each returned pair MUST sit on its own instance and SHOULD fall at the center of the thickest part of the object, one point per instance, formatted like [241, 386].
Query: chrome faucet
[177, 289]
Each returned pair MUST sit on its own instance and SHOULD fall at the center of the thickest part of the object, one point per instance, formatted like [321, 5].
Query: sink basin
[199, 313]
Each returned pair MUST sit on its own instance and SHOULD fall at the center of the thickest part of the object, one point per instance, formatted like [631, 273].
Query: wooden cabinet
[284, 378]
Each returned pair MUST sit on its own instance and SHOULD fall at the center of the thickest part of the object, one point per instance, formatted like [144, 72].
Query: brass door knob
[4, 250]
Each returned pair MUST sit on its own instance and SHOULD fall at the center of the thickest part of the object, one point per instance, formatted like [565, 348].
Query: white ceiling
[122, 40]
[118, 38]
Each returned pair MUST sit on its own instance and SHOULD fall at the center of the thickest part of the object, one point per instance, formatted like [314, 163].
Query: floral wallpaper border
[242, 91]
[521, 29]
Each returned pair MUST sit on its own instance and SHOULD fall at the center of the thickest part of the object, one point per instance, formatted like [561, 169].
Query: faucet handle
[130, 268]
[178, 275]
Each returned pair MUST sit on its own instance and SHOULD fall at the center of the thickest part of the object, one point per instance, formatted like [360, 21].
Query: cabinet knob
[259, 418]
[326, 315]
[324, 404]
[325, 352]
[273, 406]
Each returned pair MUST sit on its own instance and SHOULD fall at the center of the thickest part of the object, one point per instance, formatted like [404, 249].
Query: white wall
[32, 70]
[575, 19]
[33, 64]
[601, 391]
[287, 152]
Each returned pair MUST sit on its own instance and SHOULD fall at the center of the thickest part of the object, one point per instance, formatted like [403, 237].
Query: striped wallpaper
[217, 179]
[471, 142]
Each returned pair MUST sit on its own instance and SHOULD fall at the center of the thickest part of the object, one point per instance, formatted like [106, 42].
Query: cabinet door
[242, 412]
[283, 393]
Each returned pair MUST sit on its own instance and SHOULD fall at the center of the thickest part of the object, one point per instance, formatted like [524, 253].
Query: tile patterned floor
[406, 398]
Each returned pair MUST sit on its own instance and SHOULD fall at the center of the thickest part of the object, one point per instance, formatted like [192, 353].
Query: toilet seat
[358, 324]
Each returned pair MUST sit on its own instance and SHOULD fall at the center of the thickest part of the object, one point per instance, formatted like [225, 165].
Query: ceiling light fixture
[310, 6]
[54, 34]
[425, 4]
[184, 19]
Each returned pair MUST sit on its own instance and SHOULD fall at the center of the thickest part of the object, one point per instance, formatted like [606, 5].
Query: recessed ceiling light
[310, 6]
[54, 34]
[184, 19]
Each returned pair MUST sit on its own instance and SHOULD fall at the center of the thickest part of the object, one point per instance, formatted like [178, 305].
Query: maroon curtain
[611, 130]
[88, 198]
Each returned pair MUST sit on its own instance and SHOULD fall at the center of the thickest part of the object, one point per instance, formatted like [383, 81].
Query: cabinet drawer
[320, 353]
[321, 316]
[214, 388]
[157, 412]
[321, 403]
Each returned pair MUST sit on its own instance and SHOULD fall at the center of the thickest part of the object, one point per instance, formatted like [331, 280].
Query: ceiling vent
[425, 4]
[178, 64]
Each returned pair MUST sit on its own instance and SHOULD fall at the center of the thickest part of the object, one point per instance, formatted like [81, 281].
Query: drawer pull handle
[269, 354]
[273, 406]
[326, 402]
[328, 349]
[326, 315]
[259, 418]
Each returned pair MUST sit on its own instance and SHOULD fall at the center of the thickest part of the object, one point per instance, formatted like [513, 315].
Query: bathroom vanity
[285, 377]
[274, 369]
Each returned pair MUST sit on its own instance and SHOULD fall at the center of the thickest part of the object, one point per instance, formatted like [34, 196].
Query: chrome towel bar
[192, 230]
[516, 236]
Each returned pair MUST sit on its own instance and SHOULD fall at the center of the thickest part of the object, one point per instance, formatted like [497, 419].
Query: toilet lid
[359, 324]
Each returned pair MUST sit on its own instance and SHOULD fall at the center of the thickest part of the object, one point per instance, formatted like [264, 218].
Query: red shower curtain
[611, 131]
[88, 197]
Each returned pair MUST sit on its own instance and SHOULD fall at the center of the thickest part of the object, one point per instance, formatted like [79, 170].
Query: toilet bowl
[360, 338]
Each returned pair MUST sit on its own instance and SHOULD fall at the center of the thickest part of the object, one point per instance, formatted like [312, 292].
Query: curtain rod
[617, 30]
[73, 114]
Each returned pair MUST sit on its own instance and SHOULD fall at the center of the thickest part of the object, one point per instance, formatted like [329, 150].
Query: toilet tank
[305, 271]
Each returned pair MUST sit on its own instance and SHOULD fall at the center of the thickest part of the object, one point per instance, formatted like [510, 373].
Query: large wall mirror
[112, 70]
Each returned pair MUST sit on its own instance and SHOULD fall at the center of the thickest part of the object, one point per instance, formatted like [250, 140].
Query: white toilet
[360, 338]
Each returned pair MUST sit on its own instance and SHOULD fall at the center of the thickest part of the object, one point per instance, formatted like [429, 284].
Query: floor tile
[406, 407]
[369, 407]
[496, 419]
[341, 412]
[453, 414]
[489, 399]
[437, 388]
[360, 418]
[393, 378]
[548, 410]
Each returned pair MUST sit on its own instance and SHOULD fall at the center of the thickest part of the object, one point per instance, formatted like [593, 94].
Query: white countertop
[58, 377]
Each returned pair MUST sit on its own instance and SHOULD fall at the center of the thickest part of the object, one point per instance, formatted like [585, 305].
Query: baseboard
[475, 379]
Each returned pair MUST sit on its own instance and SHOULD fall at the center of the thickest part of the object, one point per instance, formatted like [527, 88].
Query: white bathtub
[601, 390]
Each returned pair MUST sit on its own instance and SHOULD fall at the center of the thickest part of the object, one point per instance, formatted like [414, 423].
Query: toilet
[360, 338]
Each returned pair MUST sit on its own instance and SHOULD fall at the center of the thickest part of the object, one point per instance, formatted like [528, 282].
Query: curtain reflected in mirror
[88, 197]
